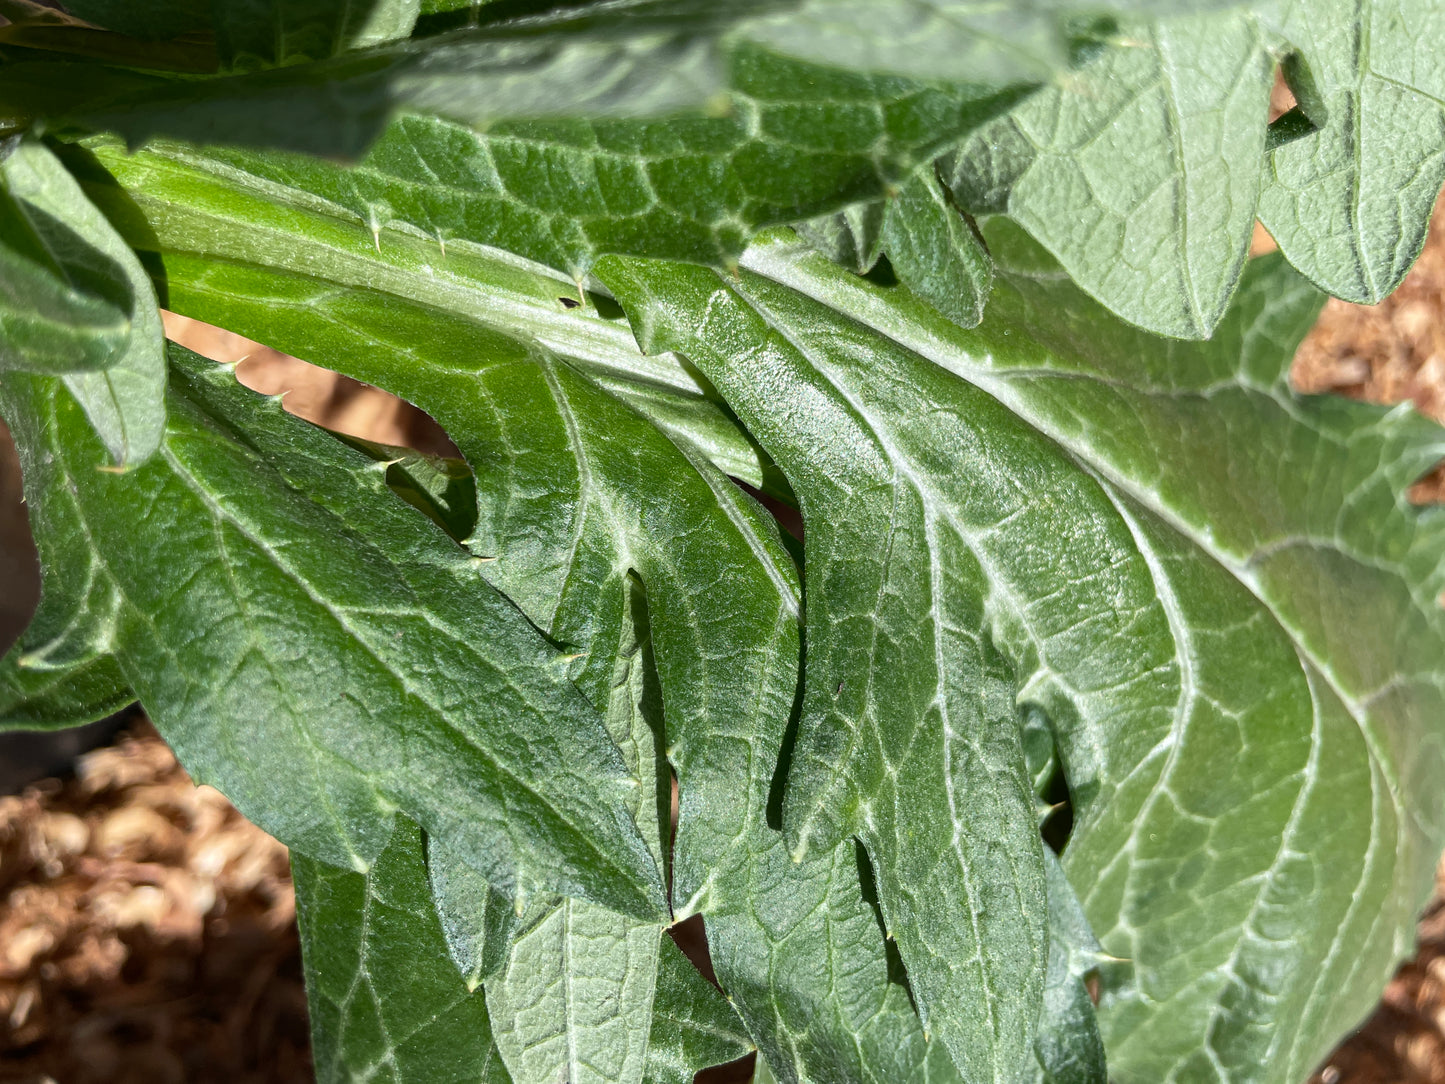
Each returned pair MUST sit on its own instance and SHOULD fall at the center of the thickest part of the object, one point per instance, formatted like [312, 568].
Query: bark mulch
[147, 932]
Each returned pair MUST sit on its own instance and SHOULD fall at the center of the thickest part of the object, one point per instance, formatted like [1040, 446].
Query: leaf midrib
[760, 260]
[323, 246]
[340, 615]
[998, 389]
[933, 512]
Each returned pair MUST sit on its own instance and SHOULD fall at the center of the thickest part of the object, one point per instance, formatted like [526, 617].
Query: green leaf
[1213, 589]
[477, 920]
[1148, 602]
[681, 58]
[50, 324]
[35, 699]
[577, 999]
[50, 218]
[851, 237]
[574, 1001]
[263, 261]
[251, 34]
[338, 107]
[351, 687]
[805, 965]
[1138, 172]
[1349, 203]
[72, 633]
[934, 252]
[636, 59]
[641, 492]
[796, 141]
[910, 736]
[692, 1025]
[265, 33]
[439, 486]
[1067, 1043]
[386, 1002]
[972, 41]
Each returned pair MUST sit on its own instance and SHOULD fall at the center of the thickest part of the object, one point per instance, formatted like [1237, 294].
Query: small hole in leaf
[881, 273]
[1261, 243]
[607, 307]
[1295, 106]
[1281, 98]
[733, 1072]
[1430, 489]
[1046, 772]
[690, 935]
[1060, 821]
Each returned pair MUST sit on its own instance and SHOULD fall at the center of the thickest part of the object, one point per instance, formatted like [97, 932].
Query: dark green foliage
[885, 262]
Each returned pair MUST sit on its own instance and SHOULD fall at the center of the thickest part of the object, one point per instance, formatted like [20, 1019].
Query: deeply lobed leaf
[1094, 525]
[1349, 202]
[606, 501]
[1163, 596]
[675, 128]
[345, 682]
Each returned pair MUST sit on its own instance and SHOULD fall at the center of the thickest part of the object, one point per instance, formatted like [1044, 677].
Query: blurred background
[148, 932]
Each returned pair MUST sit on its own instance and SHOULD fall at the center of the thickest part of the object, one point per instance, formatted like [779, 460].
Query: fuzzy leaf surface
[121, 388]
[574, 1000]
[921, 732]
[264, 258]
[73, 695]
[477, 920]
[1067, 1046]
[345, 695]
[1349, 203]
[850, 237]
[1173, 541]
[588, 995]
[386, 1001]
[796, 141]
[1141, 170]
[49, 322]
[692, 1025]
[934, 252]
[675, 129]
[617, 489]
[1161, 587]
